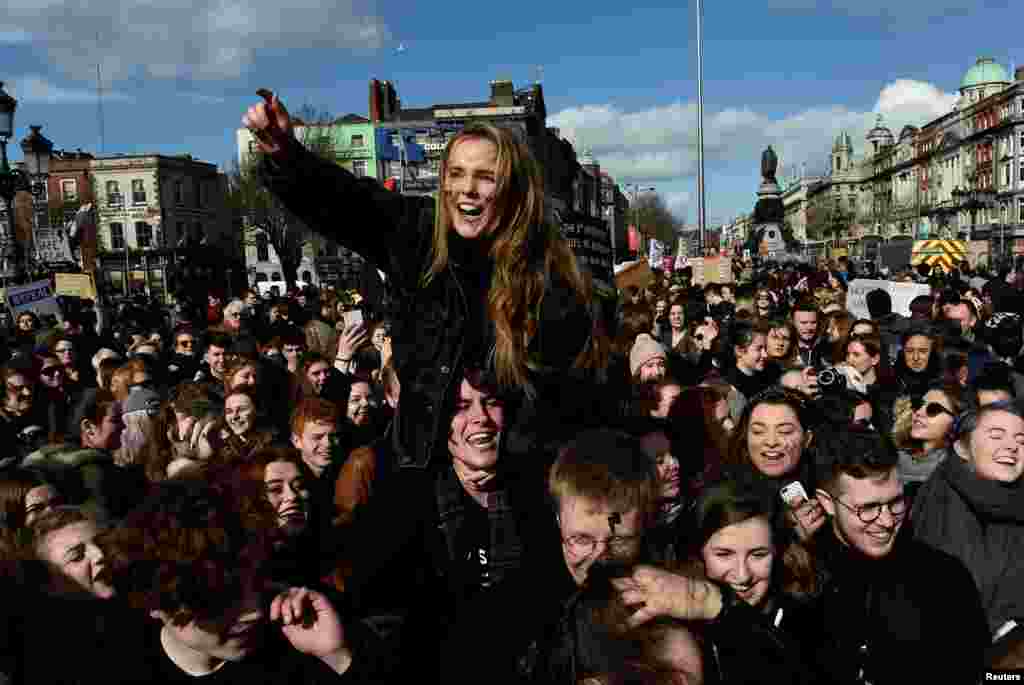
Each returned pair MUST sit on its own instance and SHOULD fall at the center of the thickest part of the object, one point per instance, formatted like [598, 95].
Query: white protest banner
[901, 294]
[35, 297]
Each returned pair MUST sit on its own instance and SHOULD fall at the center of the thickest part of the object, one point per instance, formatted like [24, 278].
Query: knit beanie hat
[142, 400]
[645, 348]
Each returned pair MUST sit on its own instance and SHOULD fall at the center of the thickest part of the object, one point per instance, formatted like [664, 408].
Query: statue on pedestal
[769, 164]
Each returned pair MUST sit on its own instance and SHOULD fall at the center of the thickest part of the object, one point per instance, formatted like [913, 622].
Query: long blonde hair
[525, 248]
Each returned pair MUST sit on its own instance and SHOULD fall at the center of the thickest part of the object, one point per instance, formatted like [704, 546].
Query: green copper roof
[985, 71]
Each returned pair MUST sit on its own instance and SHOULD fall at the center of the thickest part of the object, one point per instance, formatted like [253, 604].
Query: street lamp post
[37, 150]
[11, 181]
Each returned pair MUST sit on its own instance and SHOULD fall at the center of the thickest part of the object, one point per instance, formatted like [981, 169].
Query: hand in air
[269, 123]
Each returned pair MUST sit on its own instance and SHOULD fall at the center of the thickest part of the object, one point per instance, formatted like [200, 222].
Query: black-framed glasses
[583, 545]
[869, 513]
[932, 409]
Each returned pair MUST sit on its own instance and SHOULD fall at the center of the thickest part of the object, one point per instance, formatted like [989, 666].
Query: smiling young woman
[971, 507]
[482, 276]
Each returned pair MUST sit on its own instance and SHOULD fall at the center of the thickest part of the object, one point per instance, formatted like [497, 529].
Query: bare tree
[263, 215]
[653, 218]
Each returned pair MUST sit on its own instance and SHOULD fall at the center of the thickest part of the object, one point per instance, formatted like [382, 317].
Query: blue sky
[619, 78]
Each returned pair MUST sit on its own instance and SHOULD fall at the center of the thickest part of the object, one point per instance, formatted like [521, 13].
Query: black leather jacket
[433, 322]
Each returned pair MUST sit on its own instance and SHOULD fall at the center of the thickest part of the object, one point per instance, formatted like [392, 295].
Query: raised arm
[390, 230]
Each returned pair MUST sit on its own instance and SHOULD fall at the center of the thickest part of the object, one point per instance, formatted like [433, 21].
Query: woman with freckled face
[770, 450]
[485, 277]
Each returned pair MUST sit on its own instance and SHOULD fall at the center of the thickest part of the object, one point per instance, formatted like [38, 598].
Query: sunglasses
[932, 409]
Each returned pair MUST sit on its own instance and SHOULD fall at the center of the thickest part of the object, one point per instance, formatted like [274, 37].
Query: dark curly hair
[190, 551]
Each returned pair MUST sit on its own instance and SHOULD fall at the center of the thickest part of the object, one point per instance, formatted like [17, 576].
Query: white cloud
[660, 144]
[39, 90]
[189, 39]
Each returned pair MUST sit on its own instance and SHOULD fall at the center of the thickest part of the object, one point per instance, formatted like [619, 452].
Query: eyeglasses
[583, 545]
[50, 371]
[869, 513]
[932, 409]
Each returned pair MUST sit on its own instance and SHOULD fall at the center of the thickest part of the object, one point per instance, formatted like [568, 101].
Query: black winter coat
[912, 616]
[434, 324]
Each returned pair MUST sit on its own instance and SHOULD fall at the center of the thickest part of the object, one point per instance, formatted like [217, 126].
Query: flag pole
[701, 209]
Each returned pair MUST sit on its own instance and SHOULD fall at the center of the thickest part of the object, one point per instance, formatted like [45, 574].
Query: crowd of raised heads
[481, 469]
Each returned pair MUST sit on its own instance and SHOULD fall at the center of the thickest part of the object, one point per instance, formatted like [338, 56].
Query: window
[1021, 172]
[179, 192]
[1006, 175]
[262, 249]
[116, 236]
[69, 190]
[307, 277]
[359, 167]
[276, 276]
[113, 194]
[1020, 143]
[180, 234]
[42, 218]
[1020, 209]
[138, 192]
[143, 234]
[261, 278]
[357, 141]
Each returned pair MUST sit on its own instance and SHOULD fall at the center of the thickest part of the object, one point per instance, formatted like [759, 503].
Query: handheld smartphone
[354, 318]
[793, 494]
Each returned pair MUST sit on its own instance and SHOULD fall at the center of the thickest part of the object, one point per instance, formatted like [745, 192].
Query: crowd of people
[495, 475]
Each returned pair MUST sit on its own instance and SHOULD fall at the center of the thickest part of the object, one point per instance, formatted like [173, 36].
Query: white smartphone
[354, 318]
[793, 494]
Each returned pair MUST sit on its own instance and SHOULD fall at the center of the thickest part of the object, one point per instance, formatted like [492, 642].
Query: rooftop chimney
[502, 93]
[374, 100]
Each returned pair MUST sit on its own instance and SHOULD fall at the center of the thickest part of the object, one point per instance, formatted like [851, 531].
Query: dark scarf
[506, 547]
[915, 383]
[980, 522]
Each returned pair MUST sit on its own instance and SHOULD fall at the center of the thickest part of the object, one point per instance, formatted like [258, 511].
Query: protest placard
[76, 285]
[901, 294]
[35, 297]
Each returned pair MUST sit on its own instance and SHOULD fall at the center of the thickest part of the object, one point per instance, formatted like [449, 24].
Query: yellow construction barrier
[942, 253]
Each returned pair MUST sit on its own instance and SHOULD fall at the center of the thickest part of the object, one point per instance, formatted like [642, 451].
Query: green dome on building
[985, 71]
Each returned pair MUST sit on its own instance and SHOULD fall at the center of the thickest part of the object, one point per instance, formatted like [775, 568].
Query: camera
[831, 380]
